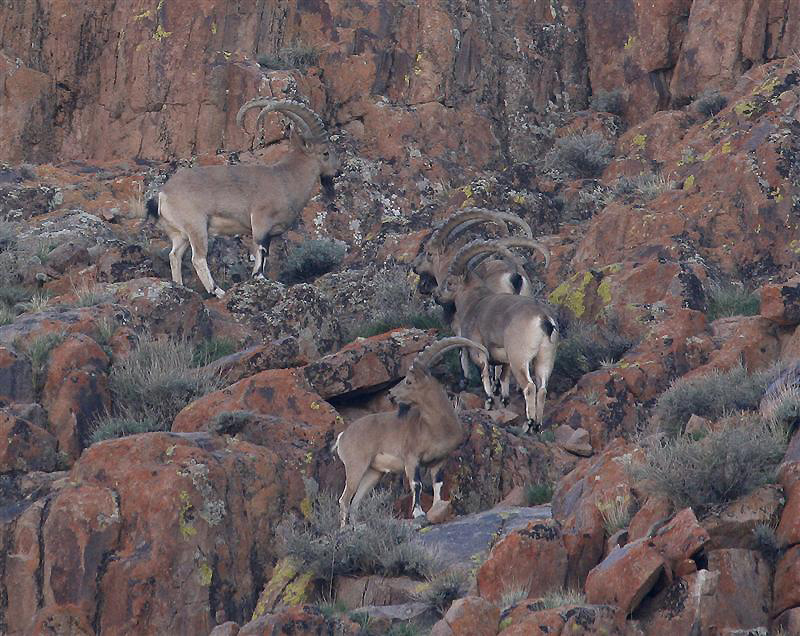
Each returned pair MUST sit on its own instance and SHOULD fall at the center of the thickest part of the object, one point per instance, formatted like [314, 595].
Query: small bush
[232, 422]
[114, 426]
[311, 259]
[38, 353]
[38, 303]
[616, 512]
[710, 102]
[721, 467]
[607, 102]
[156, 380]
[213, 349]
[766, 541]
[559, 598]
[90, 295]
[583, 155]
[295, 56]
[442, 589]
[374, 543]
[731, 300]
[539, 493]
[710, 396]
[584, 347]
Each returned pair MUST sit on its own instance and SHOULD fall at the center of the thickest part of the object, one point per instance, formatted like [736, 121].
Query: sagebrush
[311, 259]
[731, 299]
[583, 155]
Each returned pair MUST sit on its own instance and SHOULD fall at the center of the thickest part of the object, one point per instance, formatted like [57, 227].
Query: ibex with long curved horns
[261, 200]
[421, 433]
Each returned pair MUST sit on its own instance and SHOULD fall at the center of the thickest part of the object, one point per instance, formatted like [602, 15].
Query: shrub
[583, 155]
[444, 588]
[559, 598]
[721, 467]
[731, 300]
[645, 186]
[373, 543]
[295, 56]
[539, 493]
[710, 102]
[153, 383]
[710, 396]
[616, 512]
[38, 353]
[584, 347]
[766, 541]
[607, 102]
[783, 407]
[208, 351]
[311, 259]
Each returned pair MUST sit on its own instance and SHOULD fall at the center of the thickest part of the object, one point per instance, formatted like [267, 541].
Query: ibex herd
[482, 285]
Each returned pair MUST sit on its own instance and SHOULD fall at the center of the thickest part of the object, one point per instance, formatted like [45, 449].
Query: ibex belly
[227, 226]
[388, 463]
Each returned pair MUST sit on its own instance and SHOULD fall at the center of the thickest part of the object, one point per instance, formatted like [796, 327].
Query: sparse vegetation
[232, 422]
[724, 465]
[442, 589]
[710, 396]
[731, 299]
[104, 332]
[213, 349]
[114, 426]
[37, 303]
[311, 259]
[607, 102]
[539, 493]
[710, 102]
[616, 512]
[783, 407]
[152, 384]
[38, 351]
[88, 295]
[295, 56]
[644, 186]
[512, 596]
[374, 543]
[766, 541]
[560, 598]
[583, 155]
[584, 347]
[396, 304]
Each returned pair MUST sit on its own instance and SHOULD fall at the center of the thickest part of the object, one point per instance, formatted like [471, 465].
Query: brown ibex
[516, 330]
[422, 432]
[263, 201]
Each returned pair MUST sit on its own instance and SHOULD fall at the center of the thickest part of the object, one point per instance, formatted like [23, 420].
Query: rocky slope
[434, 106]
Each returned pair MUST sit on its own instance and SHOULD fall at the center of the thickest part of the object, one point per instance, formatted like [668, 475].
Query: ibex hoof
[489, 404]
[259, 276]
[505, 401]
[219, 292]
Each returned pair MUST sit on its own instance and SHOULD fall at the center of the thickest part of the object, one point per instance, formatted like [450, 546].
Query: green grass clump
[38, 353]
[710, 396]
[607, 102]
[152, 384]
[311, 259]
[213, 349]
[559, 598]
[731, 300]
[114, 426]
[539, 493]
[710, 102]
[717, 469]
[444, 588]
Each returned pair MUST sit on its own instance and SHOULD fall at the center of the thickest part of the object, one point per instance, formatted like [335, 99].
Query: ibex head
[419, 386]
[430, 263]
[311, 138]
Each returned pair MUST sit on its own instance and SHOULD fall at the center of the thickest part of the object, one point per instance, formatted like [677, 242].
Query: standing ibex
[263, 201]
[434, 257]
[516, 330]
[422, 432]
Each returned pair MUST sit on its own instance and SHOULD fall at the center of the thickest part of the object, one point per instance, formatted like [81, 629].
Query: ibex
[434, 258]
[421, 433]
[261, 200]
[516, 330]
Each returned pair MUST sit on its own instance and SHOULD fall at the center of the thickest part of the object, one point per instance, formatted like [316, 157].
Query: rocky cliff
[654, 147]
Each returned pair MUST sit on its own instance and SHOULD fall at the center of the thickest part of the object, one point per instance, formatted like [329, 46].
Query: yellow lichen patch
[629, 42]
[142, 15]
[767, 87]
[604, 291]
[571, 293]
[206, 574]
[214, 28]
[186, 528]
[794, 245]
[688, 182]
[296, 593]
[745, 108]
[518, 198]
[639, 142]
[285, 571]
[306, 507]
[726, 148]
[160, 33]
[170, 450]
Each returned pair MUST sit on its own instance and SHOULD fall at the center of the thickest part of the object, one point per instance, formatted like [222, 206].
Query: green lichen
[186, 528]
[206, 574]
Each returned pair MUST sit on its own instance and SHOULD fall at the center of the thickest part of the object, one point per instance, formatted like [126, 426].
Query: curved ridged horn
[435, 351]
[310, 125]
[472, 216]
[471, 250]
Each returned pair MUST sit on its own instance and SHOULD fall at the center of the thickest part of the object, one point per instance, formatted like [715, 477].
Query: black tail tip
[152, 209]
[516, 282]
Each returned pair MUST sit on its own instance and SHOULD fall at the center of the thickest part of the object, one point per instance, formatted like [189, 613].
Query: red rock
[16, 384]
[226, 629]
[574, 441]
[440, 512]
[749, 340]
[533, 559]
[525, 622]
[279, 354]
[76, 352]
[356, 591]
[742, 597]
[469, 616]
[655, 510]
[24, 446]
[680, 539]
[678, 608]
[788, 531]
[789, 621]
[27, 104]
[367, 364]
[61, 620]
[625, 576]
[300, 619]
[781, 303]
[786, 584]
[733, 526]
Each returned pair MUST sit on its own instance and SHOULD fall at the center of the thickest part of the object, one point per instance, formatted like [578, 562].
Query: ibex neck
[303, 173]
[441, 415]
